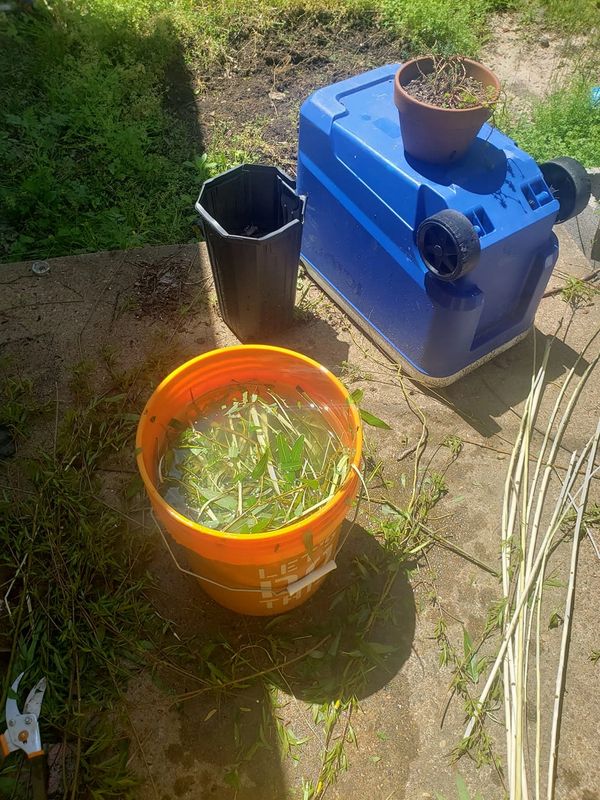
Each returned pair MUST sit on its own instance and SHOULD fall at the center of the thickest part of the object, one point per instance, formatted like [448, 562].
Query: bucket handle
[290, 589]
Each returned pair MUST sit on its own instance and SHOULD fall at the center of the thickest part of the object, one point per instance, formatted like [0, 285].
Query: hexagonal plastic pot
[252, 221]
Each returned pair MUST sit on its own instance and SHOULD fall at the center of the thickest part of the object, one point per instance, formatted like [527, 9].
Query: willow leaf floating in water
[253, 460]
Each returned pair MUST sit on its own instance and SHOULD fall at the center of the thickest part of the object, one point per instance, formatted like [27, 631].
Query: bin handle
[189, 571]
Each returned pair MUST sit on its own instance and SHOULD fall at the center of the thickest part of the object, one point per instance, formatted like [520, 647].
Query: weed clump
[564, 123]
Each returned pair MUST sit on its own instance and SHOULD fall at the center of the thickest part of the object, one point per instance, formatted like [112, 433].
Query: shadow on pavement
[486, 394]
[314, 337]
[349, 640]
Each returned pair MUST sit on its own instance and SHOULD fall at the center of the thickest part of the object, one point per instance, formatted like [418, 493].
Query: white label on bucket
[276, 579]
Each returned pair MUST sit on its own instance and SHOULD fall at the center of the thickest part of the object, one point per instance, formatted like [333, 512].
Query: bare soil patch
[260, 92]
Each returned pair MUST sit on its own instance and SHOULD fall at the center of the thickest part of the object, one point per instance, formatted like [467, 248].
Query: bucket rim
[305, 522]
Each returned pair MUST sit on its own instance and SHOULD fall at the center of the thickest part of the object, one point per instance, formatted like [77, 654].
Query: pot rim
[399, 88]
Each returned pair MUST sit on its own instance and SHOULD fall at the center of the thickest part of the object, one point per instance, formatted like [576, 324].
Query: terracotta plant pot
[434, 134]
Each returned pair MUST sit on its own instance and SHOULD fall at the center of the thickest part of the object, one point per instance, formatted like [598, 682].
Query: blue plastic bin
[366, 203]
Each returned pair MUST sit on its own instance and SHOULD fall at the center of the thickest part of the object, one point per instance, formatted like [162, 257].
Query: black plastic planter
[252, 219]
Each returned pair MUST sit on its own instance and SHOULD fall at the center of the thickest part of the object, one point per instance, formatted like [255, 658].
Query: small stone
[544, 41]
[40, 267]
[277, 95]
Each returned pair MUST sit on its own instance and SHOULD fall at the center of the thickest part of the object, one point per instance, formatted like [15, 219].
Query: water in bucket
[252, 458]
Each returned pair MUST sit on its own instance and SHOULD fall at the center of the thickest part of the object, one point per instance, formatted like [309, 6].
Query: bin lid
[361, 121]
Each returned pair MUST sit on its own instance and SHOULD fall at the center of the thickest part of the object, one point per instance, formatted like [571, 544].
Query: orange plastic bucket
[263, 573]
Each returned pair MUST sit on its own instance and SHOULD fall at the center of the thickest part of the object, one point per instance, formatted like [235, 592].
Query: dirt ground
[158, 297]
[255, 99]
[530, 62]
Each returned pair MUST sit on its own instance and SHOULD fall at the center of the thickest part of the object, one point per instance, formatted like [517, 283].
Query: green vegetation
[439, 26]
[100, 148]
[252, 460]
[75, 608]
[565, 123]
[17, 403]
[447, 27]
[577, 293]
[90, 158]
[566, 16]
[92, 154]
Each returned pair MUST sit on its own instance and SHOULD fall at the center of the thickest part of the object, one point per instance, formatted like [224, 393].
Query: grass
[437, 26]
[93, 155]
[75, 591]
[445, 27]
[18, 406]
[100, 148]
[73, 581]
[564, 123]
[90, 158]
[567, 17]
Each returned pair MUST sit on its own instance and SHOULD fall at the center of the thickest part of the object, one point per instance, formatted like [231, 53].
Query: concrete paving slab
[160, 300]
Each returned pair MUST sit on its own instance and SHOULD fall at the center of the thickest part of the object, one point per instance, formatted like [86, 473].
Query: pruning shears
[23, 733]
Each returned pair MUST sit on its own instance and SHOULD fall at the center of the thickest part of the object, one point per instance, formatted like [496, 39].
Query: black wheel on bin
[448, 244]
[569, 183]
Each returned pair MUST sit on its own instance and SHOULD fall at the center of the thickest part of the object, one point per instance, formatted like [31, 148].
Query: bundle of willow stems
[533, 528]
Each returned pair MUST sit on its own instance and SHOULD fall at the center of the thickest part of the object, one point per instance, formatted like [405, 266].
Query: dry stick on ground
[406, 453]
[516, 476]
[254, 675]
[395, 370]
[556, 521]
[519, 504]
[590, 277]
[568, 616]
[441, 540]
